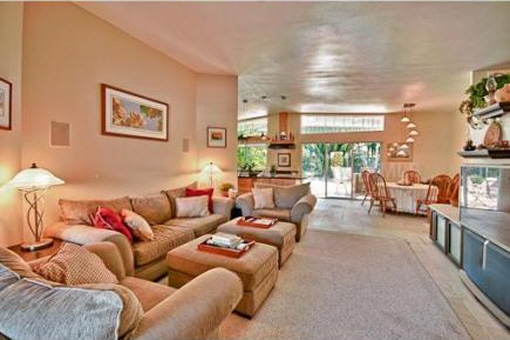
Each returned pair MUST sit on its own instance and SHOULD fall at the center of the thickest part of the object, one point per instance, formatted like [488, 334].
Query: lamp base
[43, 243]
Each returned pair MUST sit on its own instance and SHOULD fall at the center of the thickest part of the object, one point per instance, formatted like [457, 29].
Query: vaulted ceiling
[326, 56]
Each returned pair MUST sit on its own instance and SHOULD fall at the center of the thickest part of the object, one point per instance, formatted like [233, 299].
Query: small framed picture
[5, 104]
[216, 137]
[284, 160]
[127, 114]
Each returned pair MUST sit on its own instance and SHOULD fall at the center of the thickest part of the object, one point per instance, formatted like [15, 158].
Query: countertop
[493, 225]
[274, 177]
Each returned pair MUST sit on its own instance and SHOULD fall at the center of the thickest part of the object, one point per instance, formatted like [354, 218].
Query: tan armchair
[195, 311]
[292, 204]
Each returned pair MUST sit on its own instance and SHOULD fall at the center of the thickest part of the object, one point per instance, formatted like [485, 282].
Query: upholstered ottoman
[282, 235]
[258, 270]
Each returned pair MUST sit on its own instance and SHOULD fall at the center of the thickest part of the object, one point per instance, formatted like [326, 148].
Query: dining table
[406, 195]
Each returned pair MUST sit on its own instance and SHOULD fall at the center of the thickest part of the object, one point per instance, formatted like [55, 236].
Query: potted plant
[477, 94]
[225, 187]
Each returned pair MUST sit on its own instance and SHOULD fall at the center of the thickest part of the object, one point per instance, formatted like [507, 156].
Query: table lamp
[211, 169]
[34, 182]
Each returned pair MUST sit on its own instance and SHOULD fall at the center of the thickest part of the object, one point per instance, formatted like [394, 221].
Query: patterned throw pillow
[107, 218]
[263, 198]
[75, 265]
[138, 225]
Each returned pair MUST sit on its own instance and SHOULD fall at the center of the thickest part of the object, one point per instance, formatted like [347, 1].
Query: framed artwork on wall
[216, 137]
[5, 104]
[284, 160]
[127, 114]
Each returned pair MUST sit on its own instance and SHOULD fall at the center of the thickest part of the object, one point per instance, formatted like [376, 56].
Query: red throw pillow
[202, 192]
[107, 218]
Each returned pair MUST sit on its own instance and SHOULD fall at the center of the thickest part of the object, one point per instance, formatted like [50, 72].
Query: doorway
[335, 169]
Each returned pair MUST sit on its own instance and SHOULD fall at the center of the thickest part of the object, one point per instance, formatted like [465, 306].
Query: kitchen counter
[246, 182]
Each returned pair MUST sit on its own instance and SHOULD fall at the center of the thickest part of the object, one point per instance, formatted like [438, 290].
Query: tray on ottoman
[234, 253]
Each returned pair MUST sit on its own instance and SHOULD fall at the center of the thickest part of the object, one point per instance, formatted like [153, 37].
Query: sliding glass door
[335, 168]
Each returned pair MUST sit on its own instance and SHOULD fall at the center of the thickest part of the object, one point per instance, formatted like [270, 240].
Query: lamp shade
[34, 178]
[211, 168]
[410, 140]
[413, 133]
[405, 119]
[411, 125]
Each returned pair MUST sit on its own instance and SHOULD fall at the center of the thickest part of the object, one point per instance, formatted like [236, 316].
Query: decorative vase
[503, 94]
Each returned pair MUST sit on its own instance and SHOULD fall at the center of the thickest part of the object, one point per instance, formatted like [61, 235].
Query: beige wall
[11, 24]
[216, 98]
[67, 54]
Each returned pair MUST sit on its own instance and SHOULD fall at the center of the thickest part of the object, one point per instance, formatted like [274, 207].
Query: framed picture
[5, 104]
[284, 160]
[393, 155]
[127, 114]
[216, 137]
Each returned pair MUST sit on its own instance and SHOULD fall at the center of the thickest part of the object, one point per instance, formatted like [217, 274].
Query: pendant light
[410, 140]
[413, 133]
[411, 125]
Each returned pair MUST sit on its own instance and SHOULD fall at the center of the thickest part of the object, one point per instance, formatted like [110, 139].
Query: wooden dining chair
[411, 176]
[380, 194]
[365, 175]
[453, 195]
[442, 182]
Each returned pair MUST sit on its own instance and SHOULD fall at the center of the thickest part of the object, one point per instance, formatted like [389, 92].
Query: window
[251, 155]
[252, 127]
[341, 123]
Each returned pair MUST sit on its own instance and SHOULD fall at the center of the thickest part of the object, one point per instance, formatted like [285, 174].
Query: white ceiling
[326, 56]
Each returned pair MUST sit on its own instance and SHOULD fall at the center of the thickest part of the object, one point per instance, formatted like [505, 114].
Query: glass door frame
[327, 161]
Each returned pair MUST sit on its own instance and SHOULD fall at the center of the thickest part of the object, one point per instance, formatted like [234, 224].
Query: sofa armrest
[84, 235]
[195, 310]
[304, 206]
[111, 257]
[223, 206]
[246, 204]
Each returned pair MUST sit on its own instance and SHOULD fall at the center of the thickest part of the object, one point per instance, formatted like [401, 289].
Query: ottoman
[282, 235]
[257, 268]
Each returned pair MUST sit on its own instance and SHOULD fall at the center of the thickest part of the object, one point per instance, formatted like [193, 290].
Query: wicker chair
[380, 194]
[442, 182]
[365, 175]
[411, 176]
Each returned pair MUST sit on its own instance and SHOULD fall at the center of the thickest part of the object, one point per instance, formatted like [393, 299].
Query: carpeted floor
[340, 286]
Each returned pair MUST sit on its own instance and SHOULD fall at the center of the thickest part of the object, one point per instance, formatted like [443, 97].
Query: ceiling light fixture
[413, 133]
[411, 125]
[410, 140]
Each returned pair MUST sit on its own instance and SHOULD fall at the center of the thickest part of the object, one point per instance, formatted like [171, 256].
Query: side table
[35, 255]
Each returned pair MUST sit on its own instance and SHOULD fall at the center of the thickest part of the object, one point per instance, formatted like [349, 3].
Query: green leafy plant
[476, 98]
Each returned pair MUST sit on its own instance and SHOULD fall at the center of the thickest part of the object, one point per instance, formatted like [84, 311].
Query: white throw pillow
[192, 206]
[263, 198]
[138, 225]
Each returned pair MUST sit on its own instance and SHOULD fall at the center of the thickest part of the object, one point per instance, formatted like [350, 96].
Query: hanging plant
[476, 99]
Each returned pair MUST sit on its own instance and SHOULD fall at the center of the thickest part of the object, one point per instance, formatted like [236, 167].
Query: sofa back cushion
[286, 197]
[83, 211]
[155, 209]
[75, 265]
[31, 309]
[172, 194]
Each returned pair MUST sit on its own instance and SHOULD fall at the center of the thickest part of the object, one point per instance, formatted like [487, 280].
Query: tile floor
[350, 217]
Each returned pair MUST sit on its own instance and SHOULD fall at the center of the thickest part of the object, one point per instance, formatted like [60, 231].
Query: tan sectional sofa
[159, 210]
[194, 311]
[292, 204]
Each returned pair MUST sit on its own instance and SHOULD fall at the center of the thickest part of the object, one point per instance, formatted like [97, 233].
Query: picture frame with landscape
[5, 104]
[127, 114]
[284, 160]
[216, 137]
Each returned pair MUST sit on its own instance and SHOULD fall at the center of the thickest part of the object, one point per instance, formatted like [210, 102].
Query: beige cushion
[147, 292]
[155, 209]
[15, 263]
[172, 194]
[75, 265]
[280, 214]
[276, 235]
[286, 197]
[263, 198]
[82, 212]
[139, 227]
[251, 268]
[196, 206]
[199, 225]
[76, 313]
[165, 239]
